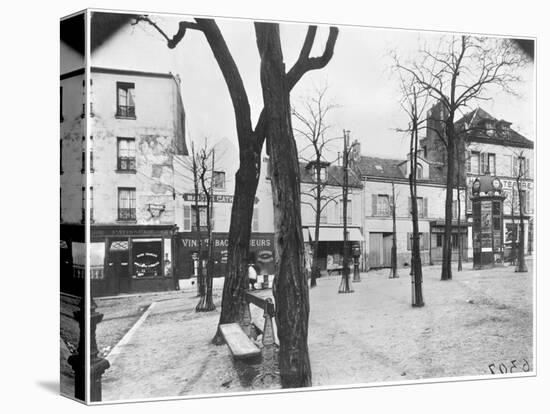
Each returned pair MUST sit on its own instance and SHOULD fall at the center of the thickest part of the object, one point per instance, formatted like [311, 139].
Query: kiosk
[487, 211]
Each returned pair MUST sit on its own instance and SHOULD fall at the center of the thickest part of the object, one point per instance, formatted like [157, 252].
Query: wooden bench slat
[240, 345]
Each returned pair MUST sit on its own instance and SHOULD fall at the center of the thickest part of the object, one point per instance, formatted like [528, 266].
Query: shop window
[147, 257]
[126, 154]
[126, 107]
[126, 204]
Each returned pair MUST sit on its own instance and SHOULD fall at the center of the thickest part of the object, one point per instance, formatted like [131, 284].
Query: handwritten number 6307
[503, 368]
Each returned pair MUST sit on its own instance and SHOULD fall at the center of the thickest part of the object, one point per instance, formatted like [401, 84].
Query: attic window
[379, 167]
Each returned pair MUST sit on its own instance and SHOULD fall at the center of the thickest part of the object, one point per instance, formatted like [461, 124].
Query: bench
[240, 345]
[238, 335]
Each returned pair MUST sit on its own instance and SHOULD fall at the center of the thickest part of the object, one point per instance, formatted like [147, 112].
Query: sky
[359, 77]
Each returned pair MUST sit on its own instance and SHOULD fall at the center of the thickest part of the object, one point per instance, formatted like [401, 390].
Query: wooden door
[375, 250]
[387, 243]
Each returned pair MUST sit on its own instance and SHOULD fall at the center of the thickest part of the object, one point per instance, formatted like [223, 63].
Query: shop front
[261, 253]
[331, 245]
[72, 256]
[131, 259]
[459, 238]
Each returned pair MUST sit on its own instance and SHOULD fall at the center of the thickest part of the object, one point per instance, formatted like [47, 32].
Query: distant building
[377, 175]
[489, 144]
[331, 228]
[226, 163]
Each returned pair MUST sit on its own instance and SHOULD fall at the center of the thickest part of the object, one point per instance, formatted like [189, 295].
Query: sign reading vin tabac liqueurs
[216, 198]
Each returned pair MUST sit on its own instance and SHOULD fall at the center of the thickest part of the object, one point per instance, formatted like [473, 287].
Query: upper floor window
[474, 162]
[521, 167]
[255, 220]
[348, 211]
[126, 204]
[126, 158]
[421, 206]
[323, 218]
[380, 205]
[125, 103]
[218, 178]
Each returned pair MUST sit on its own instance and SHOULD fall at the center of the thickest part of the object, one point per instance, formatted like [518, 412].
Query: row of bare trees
[458, 72]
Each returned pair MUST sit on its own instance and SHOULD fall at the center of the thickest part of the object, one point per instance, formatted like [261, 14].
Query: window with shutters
[474, 162]
[491, 160]
[421, 205]
[348, 211]
[455, 210]
[186, 218]
[423, 239]
[323, 214]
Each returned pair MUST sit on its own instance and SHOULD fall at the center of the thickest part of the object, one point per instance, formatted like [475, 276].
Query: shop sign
[216, 198]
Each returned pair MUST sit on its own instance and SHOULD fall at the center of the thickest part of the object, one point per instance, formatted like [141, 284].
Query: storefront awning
[336, 234]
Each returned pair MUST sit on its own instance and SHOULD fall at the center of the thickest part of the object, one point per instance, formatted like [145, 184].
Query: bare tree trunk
[345, 285]
[458, 180]
[393, 271]
[417, 261]
[290, 285]
[521, 266]
[209, 303]
[246, 183]
[446, 270]
[315, 271]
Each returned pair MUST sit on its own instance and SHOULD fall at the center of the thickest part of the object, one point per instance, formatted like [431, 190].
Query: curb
[117, 349]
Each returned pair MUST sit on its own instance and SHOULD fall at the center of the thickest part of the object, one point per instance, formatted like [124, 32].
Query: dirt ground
[477, 319]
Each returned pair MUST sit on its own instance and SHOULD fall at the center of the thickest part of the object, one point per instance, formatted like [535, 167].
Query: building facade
[490, 145]
[121, 175]
[331, 225]
[385, 180]
[226, 161]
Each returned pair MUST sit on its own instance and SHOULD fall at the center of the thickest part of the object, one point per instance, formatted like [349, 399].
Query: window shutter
[482, 157]
[425, 207]
[186, 218]
[469, 161]
[515, 166]
[527, 169]
[410, 206]
[425, 241]
[374, 203]
[409, 235]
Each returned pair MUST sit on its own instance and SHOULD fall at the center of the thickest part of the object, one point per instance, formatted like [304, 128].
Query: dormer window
[419, 172]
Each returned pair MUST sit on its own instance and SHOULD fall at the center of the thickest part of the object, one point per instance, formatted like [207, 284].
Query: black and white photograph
[256, 206]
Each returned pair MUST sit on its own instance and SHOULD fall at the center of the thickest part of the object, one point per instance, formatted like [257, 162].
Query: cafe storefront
[261, 253]
[131, 259]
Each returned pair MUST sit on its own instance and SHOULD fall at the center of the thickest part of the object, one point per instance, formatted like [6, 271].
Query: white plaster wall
[154, 133]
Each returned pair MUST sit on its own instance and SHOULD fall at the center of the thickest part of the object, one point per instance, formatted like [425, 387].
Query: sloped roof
[380, 167]
[474, 124]
[335, 176]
